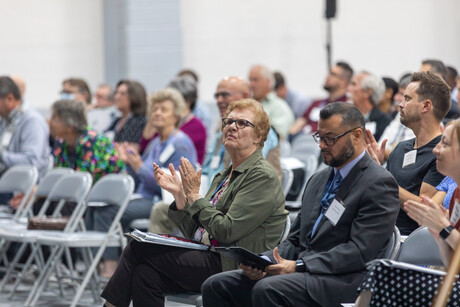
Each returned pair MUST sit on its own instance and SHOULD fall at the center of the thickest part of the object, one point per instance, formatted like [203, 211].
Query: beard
[409, 119]
[344, 155]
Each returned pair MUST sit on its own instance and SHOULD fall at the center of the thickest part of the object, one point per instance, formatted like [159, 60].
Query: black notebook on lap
[244, 256]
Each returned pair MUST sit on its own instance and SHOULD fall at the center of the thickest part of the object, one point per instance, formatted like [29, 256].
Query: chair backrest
[22, 179]
[286, 229]
[49, 181]
[287, 179]
[72, 187]
[19, 178]
[420, 248]
[113, 189]
[392, 248]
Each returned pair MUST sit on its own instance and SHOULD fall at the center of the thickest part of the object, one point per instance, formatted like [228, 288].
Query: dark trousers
[233, 288]
[146, 272]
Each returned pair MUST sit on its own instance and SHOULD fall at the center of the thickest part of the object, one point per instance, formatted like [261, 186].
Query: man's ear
[427, 106]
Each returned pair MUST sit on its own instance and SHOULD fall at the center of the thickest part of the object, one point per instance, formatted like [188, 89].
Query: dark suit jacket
[336, 256]
[381, 120]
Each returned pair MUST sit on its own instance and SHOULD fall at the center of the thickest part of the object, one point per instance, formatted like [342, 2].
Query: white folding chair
[113, 189]
[18, 179]
[72, 187]
[43, 190]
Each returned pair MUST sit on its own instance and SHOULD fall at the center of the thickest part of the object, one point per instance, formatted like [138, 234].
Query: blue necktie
[328, 196]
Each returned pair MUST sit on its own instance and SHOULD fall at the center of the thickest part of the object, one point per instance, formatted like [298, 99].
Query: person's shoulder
[181, 138]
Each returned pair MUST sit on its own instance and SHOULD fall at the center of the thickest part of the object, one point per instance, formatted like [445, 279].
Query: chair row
[63, 186]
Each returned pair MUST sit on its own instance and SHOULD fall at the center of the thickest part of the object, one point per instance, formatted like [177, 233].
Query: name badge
[409, 158]
[166, 154]
[215, 161]
[455, 213]
[335, 211]
[6, 139]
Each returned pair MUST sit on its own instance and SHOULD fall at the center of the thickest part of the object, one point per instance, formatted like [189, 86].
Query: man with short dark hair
[341, 226]
[413, 163]
[23, 133]
[336, 84]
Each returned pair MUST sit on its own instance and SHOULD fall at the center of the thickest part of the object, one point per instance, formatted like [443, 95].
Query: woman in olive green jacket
[243, 207]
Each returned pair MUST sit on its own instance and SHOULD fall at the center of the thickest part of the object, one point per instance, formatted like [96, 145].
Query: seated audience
[366, 91]
[444, 193]
[78, 147]
[336, 84]
[387, 103]
[396, 132]
[201, 110]
[233, 213]
[438, 68]
[443, 225]
[189, 124]
[131, 101]
[217, 158]
[261, 81]
[451, 80]
[323, 260]
[412, 162]
[23, 133]
[76, 89]
[105, 111]
[297, 101]
[166, 148]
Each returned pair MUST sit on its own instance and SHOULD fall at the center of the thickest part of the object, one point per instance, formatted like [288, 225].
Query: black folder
[244, 256]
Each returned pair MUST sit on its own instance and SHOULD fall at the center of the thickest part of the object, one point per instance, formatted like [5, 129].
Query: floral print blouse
[93, 153]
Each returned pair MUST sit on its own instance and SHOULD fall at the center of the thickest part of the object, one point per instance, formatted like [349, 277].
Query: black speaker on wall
[330, 8]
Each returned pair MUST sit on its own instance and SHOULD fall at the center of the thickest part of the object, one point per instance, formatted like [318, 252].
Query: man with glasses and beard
[346, 219]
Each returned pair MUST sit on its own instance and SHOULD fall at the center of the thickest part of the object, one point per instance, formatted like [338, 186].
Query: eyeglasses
[224, 94]
[330, 141]
[240, 123]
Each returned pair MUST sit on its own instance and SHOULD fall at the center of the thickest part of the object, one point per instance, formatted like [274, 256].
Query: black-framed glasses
[224, 94]
[328, 140]
[240, 123]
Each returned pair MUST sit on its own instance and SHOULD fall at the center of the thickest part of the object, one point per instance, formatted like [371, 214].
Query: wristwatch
[300, 266]
[445, 232]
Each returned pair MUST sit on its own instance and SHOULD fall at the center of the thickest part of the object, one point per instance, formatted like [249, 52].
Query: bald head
[230, 89]
[20, 83]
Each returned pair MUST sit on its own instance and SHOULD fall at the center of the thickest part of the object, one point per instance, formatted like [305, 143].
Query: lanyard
[220, 185]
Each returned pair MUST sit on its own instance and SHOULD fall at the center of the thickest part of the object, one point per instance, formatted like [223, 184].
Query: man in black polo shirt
[413, 164]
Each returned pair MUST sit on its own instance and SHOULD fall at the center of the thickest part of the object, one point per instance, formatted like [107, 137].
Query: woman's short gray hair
[72, 113]
[377, 86]
[169, 94]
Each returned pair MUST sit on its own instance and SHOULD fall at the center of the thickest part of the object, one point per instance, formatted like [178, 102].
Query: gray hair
[375, 84]
[174, 96]
[72, 113]
[267, 74]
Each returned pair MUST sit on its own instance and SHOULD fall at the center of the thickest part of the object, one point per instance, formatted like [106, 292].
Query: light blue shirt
[344, 171]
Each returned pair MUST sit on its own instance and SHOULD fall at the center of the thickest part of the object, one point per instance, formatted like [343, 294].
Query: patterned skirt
[398, 284]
